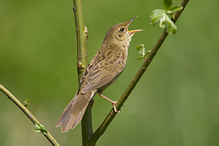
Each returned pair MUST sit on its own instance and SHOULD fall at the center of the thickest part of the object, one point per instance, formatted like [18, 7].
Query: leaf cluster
[141, 49]
[40, 128]
[163, 16]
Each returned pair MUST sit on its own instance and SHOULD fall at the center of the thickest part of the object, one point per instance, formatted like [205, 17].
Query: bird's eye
[122, 29]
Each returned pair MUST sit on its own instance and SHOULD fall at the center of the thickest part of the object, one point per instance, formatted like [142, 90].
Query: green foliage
[40, 128]
[141, 49]
[176, 8]
[163, 16]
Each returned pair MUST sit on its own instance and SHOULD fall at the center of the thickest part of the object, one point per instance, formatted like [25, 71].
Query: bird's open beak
[131, 32]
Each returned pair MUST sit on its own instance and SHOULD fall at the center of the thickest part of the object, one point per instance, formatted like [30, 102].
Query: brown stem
[81, 32]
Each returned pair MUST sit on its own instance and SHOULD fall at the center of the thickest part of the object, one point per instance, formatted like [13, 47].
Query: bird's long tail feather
[74, 111]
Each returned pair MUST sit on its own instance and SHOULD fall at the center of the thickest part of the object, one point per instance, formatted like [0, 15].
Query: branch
[27, 113]
[81, 31]
[101, 129]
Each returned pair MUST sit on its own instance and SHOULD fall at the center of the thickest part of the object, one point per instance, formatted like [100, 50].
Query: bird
[104, 68]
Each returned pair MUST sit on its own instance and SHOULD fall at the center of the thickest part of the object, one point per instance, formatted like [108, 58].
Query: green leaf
[141, 57]
[162, 21]
[156, 15]
[176, 8]
[44, 131]
[147, 53]
[170, 26]
[171, 29]
[167, 4]
[141, 49]
[36, 130]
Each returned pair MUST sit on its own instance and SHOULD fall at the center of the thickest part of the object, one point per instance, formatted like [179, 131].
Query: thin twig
[101, 129]
[49, 137]
[81, 31]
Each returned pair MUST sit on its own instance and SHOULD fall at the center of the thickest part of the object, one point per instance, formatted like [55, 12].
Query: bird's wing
[100, 76]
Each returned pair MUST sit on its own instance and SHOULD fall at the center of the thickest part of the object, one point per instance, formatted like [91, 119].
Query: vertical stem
[81, 32]
[86, 125]
[81, 37]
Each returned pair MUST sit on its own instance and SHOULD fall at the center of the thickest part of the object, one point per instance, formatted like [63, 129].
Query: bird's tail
[74, 112]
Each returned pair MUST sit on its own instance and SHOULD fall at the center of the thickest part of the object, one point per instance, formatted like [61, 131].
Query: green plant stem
[49, 137]
[81, 32]
[101, 129]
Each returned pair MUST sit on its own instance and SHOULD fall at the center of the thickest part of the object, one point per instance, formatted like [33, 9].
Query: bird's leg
[113, 102]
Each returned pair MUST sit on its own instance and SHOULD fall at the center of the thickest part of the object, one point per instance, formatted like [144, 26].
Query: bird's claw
[114, 107]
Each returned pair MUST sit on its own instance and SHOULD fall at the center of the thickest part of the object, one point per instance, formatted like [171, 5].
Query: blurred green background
[175, 103]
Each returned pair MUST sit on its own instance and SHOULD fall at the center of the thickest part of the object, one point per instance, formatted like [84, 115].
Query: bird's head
[120, 32]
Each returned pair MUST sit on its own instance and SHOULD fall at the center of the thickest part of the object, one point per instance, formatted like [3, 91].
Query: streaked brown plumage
[104, 68]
